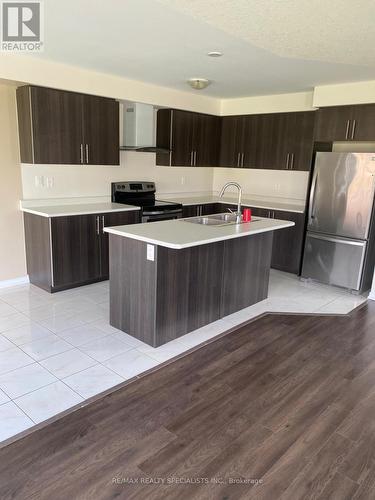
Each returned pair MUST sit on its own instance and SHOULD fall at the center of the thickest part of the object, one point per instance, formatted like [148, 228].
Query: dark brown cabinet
[101, 130]
[204, 209]
[238, 141]
[190, 210]
[333, 124]
[69, 251]
[285, 141]
[193, 138]
[75, 250]
[287, 243]
[269, 141]
[363, 124]
[58, 127]
[207, 140]
[231, 141]
[211, 208]
[345, 123]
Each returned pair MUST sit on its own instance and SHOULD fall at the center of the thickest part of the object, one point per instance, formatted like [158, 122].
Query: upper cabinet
[58, 127]
[268, 141]
[238, 141]
[345, 123]
[193, 138]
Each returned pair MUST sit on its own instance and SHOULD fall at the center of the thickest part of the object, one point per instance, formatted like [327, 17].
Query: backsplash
[71, 181]
[269, 183]
[65, 181]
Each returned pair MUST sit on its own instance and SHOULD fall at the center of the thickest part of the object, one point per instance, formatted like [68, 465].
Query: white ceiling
[269, 46]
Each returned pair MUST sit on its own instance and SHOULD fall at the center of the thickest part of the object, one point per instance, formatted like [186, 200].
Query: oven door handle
[162, 212]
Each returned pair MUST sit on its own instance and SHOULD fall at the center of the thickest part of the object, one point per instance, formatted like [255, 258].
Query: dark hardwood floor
[288, 400]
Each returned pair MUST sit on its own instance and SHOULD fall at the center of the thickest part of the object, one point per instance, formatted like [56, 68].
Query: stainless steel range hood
[138, 128]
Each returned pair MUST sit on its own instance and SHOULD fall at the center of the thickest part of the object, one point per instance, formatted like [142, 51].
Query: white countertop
[282, 204]
[180, 234]
[77, 209]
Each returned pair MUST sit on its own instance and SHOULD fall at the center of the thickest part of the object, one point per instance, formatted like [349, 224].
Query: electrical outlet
[182, 180]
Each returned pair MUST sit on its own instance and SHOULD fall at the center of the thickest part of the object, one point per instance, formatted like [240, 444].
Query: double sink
[224, 219]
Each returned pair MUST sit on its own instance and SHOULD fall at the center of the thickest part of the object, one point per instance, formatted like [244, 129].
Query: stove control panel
[133, 187]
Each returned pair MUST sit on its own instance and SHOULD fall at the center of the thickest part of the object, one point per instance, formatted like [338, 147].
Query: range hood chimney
[138, 128]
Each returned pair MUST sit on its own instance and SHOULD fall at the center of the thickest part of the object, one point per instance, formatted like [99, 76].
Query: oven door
[161, 215]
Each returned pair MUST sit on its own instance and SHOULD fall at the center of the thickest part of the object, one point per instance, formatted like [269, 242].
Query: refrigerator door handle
[337, 240]
[312, 197]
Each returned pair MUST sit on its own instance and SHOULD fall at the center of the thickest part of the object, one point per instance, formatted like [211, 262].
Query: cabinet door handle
[238, 159]
[243, 156]
[353, 129]
[195, 158]
[103, 222]
[191, 158]
[291, 161]
[287, 161]
[347, 129]
[87, 153]
[97, 225]
[81, 153]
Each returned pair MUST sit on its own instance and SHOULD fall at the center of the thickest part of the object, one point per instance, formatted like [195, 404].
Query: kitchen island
[171, 277]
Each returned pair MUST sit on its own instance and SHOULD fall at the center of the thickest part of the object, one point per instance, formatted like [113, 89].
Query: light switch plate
[150, 252]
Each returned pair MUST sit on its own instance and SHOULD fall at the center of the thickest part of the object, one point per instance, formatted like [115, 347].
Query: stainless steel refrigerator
[339, 247]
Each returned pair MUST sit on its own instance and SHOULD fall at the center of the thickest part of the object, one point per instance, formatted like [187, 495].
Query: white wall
[267, 183]
[72, 181]
[12, 245]
[28, 69]
[344, 93]
[278, 103]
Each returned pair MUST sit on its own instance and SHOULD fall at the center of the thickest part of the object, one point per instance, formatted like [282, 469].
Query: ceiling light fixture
[214, 53]
[198, 83]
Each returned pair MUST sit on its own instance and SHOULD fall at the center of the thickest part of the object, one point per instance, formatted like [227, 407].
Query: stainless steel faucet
[235, 184]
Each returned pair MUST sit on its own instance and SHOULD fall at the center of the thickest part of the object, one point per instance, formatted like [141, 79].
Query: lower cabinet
[65, 252]
[190, 210]
[287, 243]
[212, 208]
[204, 209]
[75, 250]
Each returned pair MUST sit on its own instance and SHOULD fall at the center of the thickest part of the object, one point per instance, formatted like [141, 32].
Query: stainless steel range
[142, 194]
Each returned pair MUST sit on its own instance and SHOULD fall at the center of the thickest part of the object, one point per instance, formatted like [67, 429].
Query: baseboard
[371, 296]
[22, 280]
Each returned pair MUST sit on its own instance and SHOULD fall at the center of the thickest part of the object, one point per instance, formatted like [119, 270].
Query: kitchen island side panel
[246, 271]
[132, 288]
[182, 290]
[188, 293]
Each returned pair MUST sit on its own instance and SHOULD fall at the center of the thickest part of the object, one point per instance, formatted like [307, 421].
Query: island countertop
[180, 233]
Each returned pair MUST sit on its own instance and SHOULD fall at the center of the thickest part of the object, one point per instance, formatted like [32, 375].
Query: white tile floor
[58, 350]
